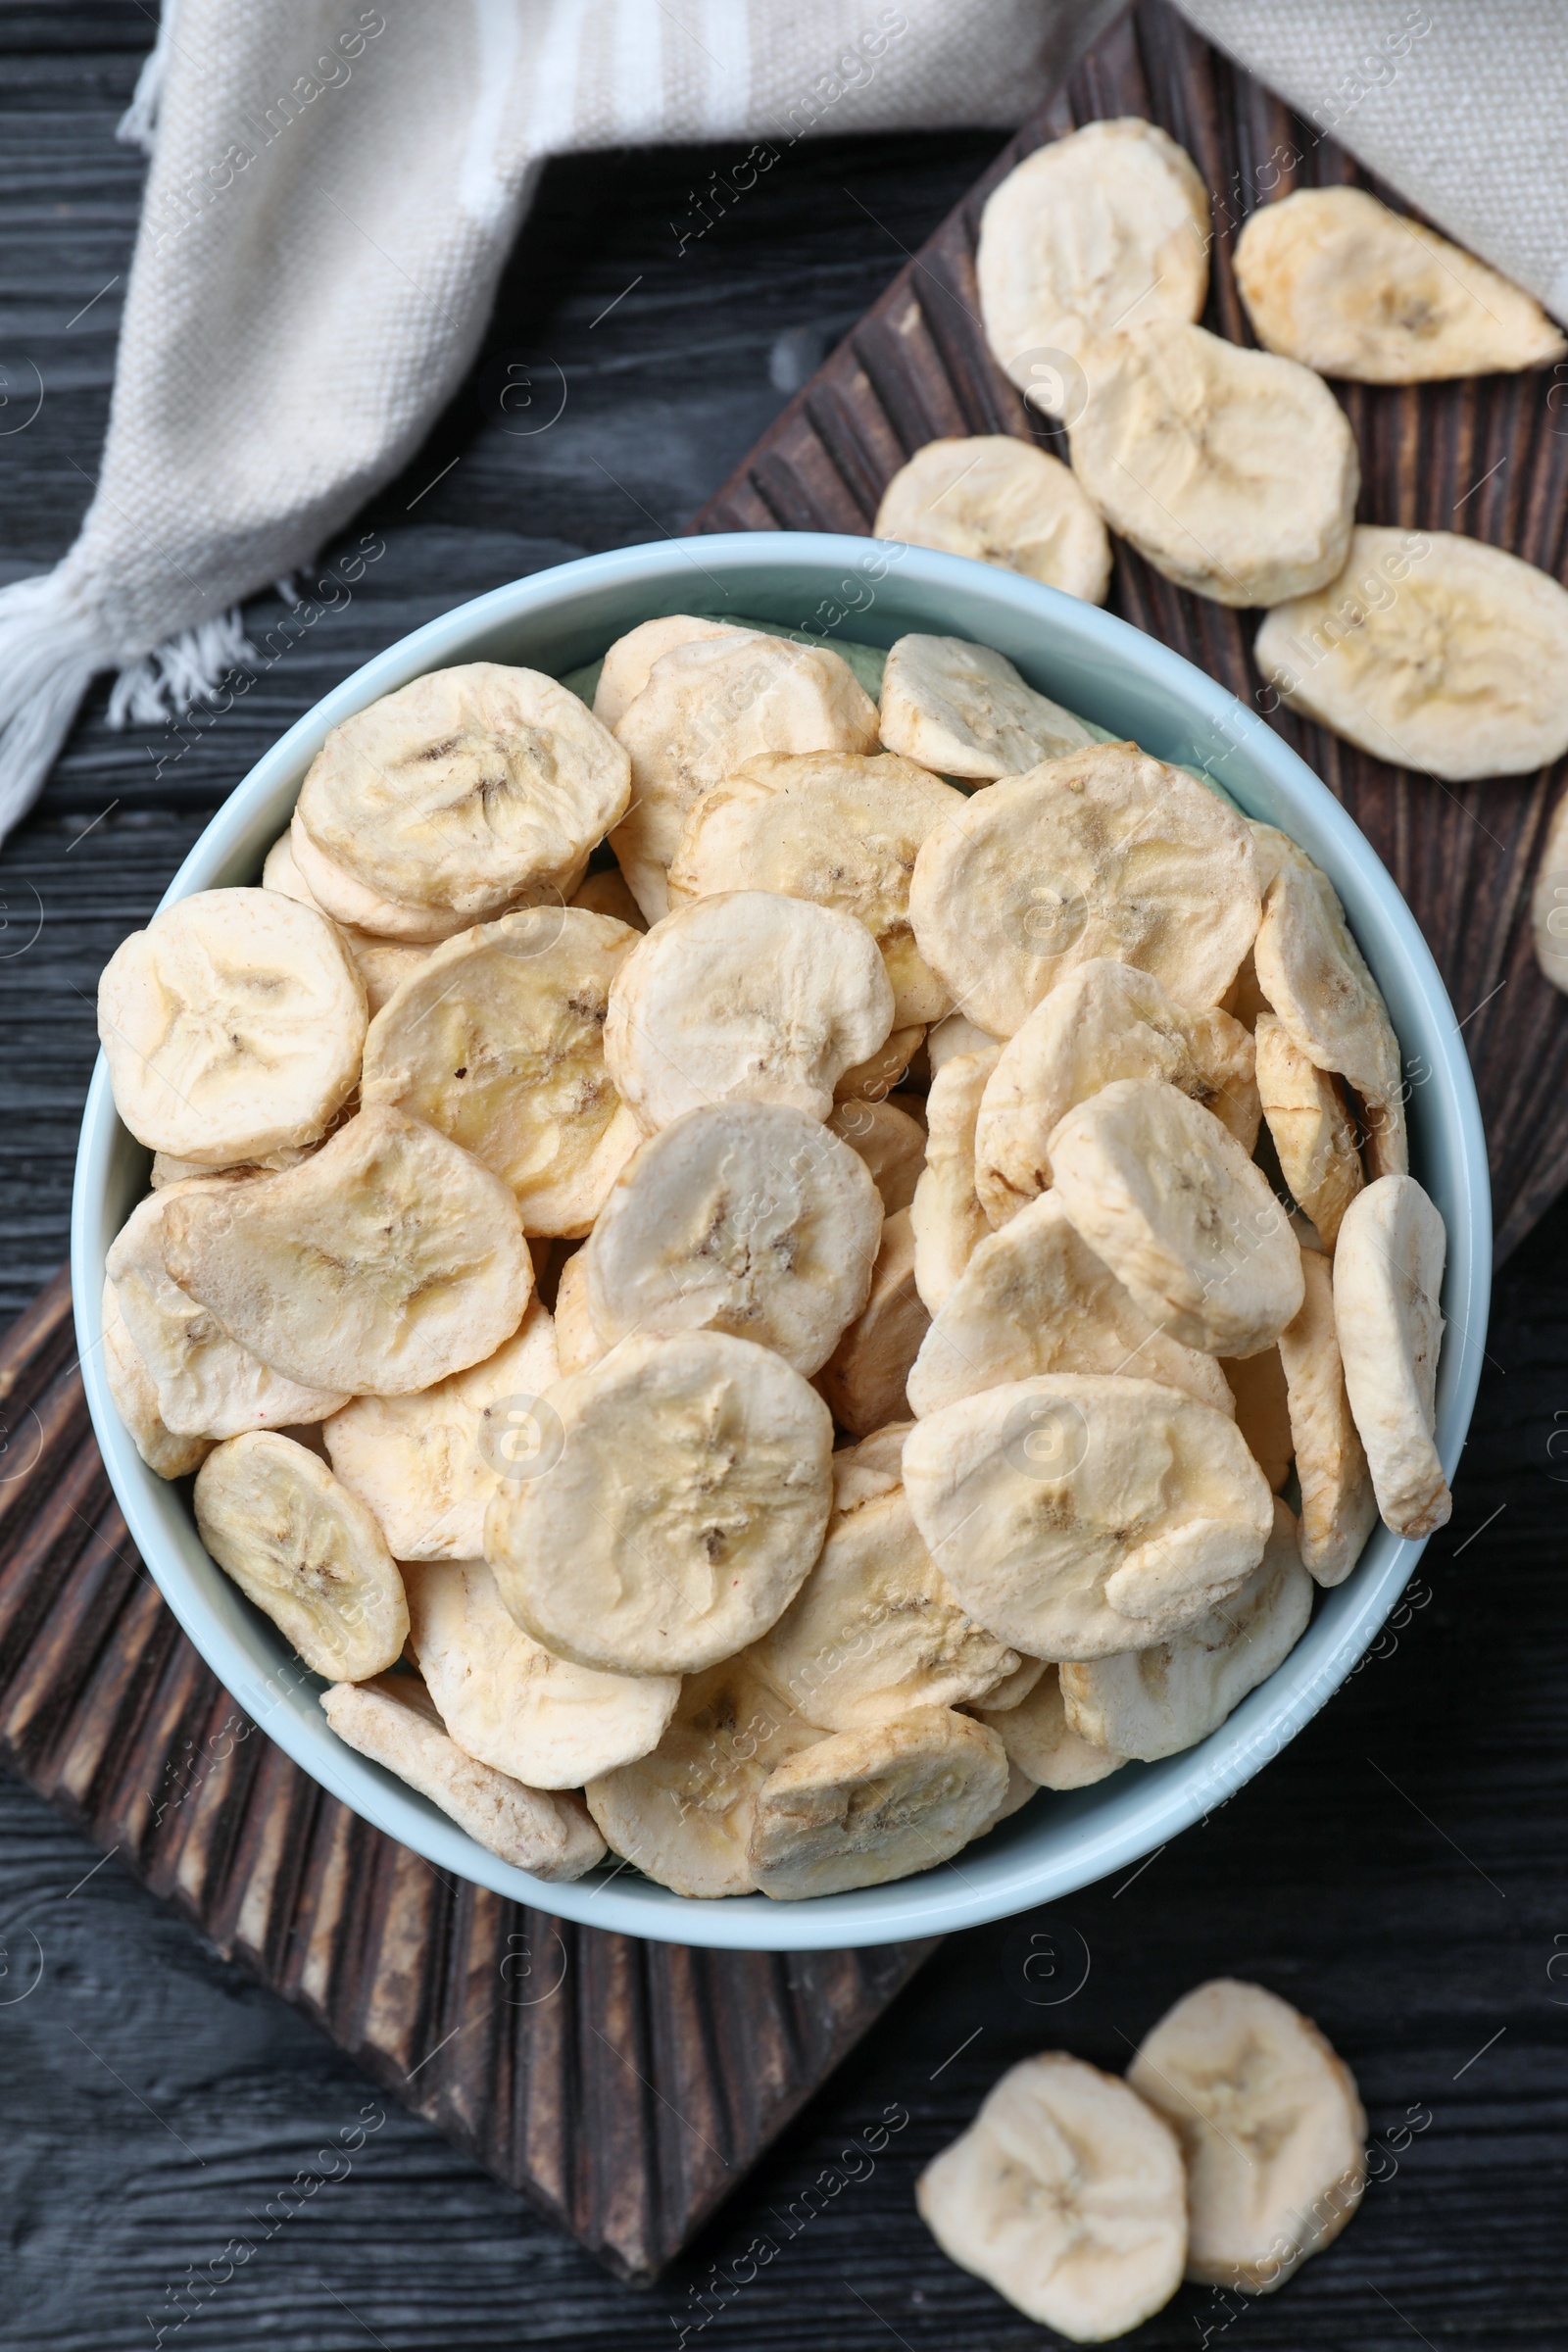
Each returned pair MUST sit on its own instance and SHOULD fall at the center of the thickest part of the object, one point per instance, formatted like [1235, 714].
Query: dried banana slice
[1312, 1131]
[1034, 1299]
[498, 1040]
[707, 708]
[383, 964]
[426, 1465]
[1271, 2127]
[863, 1378]
[1332, 277]
[945, 1215]
[749, 1218]
[1077, 1515]
[1429, 650]
[1104, 229]
[232, 1026]
[889, 1142]
[867, 1806]
[1043, 1744]
[1169, 1200]
[1103, 852]
[1387, 1277]
[1154, 1702]
[304, 1551]
[964, 710]
[353, 907]
[999, 500]
[749, 994]
[874, 1079]
[1106, 1020]
[1339, 1510]
[606, 892]
[509, 1702]
[957, 1035]
[872, 1468]
[577, 1343]
[394, 1723]
[629, 662]
[387, 1260]
[166, 1171]
[1015, 1688]
[835, 827]
[1262, 1411]
[1065, 2194]
[687, 1502]
[134, 1397]
[462, 794]
[1233, 471]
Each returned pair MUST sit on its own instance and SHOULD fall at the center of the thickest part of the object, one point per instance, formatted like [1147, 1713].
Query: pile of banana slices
[745, 1269]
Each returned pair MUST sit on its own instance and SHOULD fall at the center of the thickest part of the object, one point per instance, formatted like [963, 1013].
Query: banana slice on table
[707, 708]
[382, 1264]
[381, 964]
[1002, 501]
[1065, 2194]
[134, 1396]
[747, 994]
[1257, 1385]
[839, 828]
[394, 1723]
[577, 1343]
[867, 1806]
[304, 1551]
[232, 1026]
[891, 1143]
[945, 1215]
[606, 892]
[1077, 1515]
[1103, 852]
[1339, 1510]
[875, 1078]
[1429, 650]
[1271, 2127]
[1332, 277]
[1043, 1744]
[687, 1500]
[1233, 471]
[1388, 1278]
[1163, 1193]
[460, 797]
[629, 662]
[965, 710]
[1035, 1298]
[498, 1040]
[1312, 1131]
[1105, 1020]
[863, 1380]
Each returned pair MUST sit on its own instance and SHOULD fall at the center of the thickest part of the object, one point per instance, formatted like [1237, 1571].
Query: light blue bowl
[1113, 673]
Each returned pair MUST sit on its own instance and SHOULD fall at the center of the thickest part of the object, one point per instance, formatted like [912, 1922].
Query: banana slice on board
[1257, 1385]
[1271, 2127]
[867, 1806]
[1312, 1131]
[747, 994]
[1332, 277]
[1339, 1510]
[875, 1078]
[1233, 471]
[999, 500]
[1066, 2195]
[1388, 1278]
[863, 1380]
[686, 1502]
[232, 1026]
[1105, 1020]
[394, 1723]
[1043, 1743]
[945, 1215]
[381, 964]
[1103, 852]
[134, 1396]
[1168, 1199]
[304, 1551]
[606, 892]
[498, 1040]
[629, 664]
[387, 1260]
[891, 1143]
[1078, 1514]
[1429, 650]
[839, 828]
[964, 710]
[577, 1343]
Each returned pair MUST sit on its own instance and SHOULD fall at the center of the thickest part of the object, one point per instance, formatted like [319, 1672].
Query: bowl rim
[1078, 651]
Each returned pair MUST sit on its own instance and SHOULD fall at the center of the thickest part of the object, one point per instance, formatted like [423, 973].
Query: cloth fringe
[139, 125]
[49, 650]
[185, 669]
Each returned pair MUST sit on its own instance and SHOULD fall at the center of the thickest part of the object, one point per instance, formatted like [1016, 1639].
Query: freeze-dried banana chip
[874, 1467]
[1271, 2127]
[629, 662]
[1332, 277]
[367, 914]
[1235, 472]
[1429, 650]
[1387, 1277]
[1015, 1688]
[498, 1040]
[999, 500]
[1257, 1385]
[687, 1500]
[1106, 1020]
[874, 1079]
[835, 827]
[577, 1343]
[957, 1035]
[707, 708]
[1078, 1514]
[945, 1215]
[1041, 1741]
[965, 710]
[387, 1260]
[1339, 1510]
[462, 795]
[891, 1143]
[606, 892]
[867, 1806]
[509, 1702]
[232, 1026]
[166, 1171]
[1313, 1133]
[1102, 853]
[1168, 1199]
[134, 1396]
[748, 993]
[1066, 2195]
[381, 964]
[304, 1551]
[863, 1378]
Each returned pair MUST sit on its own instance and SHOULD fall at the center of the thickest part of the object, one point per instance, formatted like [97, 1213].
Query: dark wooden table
[1400, 1872]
